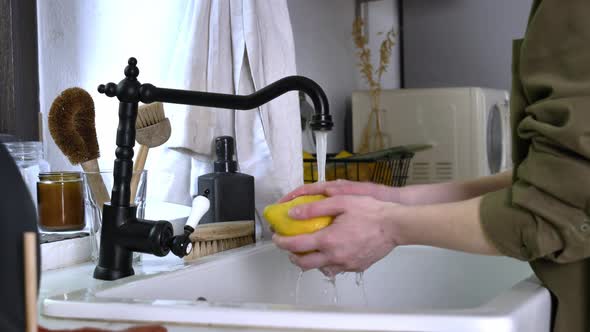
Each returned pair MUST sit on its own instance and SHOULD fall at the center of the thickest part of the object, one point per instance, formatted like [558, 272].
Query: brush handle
[30, 265]
[40, 125]
[97, 186]
[137, 169]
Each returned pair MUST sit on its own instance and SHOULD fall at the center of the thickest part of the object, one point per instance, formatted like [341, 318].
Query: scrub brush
[152, 130]
[211, 238]
[71, 124]
[208, 239]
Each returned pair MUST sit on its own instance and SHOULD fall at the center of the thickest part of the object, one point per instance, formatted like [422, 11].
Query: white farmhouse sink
[413, 289]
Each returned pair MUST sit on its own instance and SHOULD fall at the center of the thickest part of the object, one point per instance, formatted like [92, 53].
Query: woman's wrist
[397, 224]
[421, 194]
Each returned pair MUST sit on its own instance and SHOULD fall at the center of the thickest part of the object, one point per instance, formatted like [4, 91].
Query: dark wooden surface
[19, 74]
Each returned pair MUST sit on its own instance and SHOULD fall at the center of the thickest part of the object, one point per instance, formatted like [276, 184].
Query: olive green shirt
[544, 216]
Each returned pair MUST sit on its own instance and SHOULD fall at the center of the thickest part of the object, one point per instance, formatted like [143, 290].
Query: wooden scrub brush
[152, 130]
[71, 124]
[212, 238]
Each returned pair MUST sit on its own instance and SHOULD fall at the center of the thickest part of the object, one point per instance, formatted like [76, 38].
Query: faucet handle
[181, 245]
[201, 205]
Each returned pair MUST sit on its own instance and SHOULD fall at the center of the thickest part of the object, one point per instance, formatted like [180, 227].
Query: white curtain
[235, 47]
[224, 46]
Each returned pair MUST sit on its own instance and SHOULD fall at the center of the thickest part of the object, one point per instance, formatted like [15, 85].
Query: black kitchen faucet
[122, 232]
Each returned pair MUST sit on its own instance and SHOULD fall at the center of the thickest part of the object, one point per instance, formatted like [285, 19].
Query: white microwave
[469, 129]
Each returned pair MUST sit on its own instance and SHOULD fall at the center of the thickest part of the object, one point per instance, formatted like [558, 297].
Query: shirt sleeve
[520, 233]
[544, 213]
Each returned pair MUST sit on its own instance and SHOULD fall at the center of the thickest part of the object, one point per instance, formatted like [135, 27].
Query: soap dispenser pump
[231, 193]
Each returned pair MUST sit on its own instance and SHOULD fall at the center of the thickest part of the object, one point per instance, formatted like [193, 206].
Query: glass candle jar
[60, 196]
[28, 156]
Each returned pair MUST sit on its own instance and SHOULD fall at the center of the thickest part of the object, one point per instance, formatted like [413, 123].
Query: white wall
[461, 42]
[58, 41]
[70, 39]
[322, 32]
[325, 51]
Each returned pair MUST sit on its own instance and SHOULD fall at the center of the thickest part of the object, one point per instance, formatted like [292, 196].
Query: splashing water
[360, 282]
[297, 287]
[332, 280]
[321, 138]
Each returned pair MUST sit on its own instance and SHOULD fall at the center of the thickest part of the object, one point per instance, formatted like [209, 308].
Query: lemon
[307, 155]
[355, 171]
[343, 154]
[277, 216]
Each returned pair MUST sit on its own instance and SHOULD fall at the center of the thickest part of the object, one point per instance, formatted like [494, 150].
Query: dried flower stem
[373, 79]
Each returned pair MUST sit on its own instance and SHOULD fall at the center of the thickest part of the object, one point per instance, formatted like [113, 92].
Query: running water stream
[321, 150]
[321, 138]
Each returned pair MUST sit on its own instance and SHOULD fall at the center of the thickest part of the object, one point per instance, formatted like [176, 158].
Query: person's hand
[345, 187]
[362, 232]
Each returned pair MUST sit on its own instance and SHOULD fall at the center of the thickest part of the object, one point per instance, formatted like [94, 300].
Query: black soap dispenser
[231, 193]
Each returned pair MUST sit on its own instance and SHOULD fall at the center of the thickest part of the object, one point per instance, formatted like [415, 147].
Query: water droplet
[297, 287]
[332, 281]
[359, 278]
[360, 282]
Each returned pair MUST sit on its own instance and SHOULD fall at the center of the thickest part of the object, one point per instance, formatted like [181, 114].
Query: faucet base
[103, 273]
[115, 260]
[124, 234]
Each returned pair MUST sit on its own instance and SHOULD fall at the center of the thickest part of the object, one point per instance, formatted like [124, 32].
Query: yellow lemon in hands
[277, 216]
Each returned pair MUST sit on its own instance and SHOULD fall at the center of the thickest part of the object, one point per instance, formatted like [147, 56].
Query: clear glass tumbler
[93, 211]
[28, 156]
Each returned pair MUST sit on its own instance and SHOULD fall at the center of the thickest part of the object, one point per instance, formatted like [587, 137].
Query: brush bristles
[149, 114]
[206, 248]
[71, 125]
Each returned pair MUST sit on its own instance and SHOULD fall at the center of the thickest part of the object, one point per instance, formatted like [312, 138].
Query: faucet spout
[322, 120]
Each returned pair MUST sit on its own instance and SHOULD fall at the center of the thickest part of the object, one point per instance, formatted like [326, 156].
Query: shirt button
[585, 227]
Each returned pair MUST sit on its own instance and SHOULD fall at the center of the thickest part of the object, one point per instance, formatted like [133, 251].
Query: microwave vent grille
[426, 172]
[443, 171]
[421, 172]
